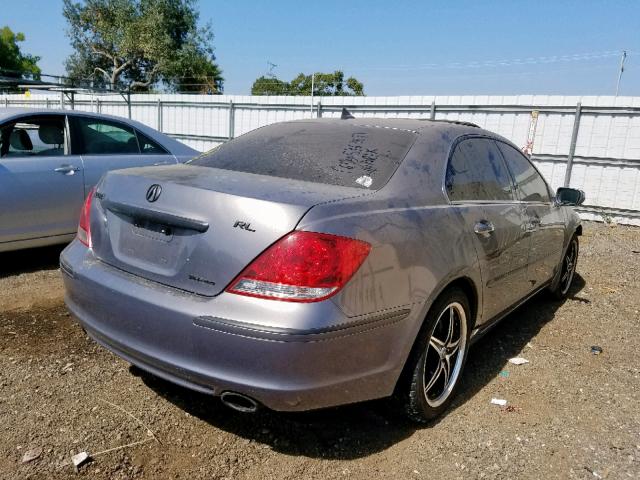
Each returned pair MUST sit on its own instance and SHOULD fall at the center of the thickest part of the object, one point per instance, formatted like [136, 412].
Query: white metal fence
[591, 143]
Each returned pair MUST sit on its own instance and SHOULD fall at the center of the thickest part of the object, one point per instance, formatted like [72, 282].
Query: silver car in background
[50, 159]
[321, 262]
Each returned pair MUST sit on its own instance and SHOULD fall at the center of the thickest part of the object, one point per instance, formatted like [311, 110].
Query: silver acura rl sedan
[315, 263]
[50, 160]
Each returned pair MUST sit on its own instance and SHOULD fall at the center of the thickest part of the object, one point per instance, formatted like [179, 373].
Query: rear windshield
[338, 154]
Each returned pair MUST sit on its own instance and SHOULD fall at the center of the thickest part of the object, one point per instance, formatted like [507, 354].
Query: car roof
[10, 112]
[444, 132]
[415, 125]
[175, 147]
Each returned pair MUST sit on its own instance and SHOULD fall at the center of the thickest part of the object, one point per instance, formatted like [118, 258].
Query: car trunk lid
[196, 228]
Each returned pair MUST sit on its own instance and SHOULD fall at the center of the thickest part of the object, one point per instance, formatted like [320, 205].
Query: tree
[196, 73]
[324, 84]
[14, 63]
[269, 86]
[140, 43]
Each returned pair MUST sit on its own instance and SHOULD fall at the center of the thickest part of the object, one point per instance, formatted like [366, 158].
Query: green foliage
[195, 72]
[269, 86]
[14, 63]
[141, 43]
[324, 84]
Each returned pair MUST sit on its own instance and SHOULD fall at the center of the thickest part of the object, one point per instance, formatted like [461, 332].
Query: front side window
[531, 186]
[26, 137]
[476, 172]
[97, 137]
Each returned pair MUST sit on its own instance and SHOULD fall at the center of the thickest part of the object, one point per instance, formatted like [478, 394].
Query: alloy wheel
[445, 354]
[568, 267]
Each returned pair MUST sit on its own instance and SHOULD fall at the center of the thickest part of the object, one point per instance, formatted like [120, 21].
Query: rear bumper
[280, 355]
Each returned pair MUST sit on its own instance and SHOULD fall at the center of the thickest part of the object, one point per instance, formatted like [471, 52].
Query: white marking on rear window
[364, 180]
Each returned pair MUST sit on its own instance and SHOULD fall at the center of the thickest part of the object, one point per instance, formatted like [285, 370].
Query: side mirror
[569, 196]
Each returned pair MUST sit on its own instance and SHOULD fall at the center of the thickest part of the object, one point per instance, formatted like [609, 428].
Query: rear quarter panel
[416, 251]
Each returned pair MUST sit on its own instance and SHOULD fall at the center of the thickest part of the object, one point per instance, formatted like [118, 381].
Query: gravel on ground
[569, 413]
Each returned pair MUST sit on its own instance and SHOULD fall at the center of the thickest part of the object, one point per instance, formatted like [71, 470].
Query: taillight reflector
[302, 267]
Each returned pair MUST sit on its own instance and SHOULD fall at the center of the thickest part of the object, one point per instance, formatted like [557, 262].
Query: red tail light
[302, 267]
[84, 228]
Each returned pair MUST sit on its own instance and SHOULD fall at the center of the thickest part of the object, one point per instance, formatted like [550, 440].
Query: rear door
[544, 219]
[41, 187]
[479, 186]
[111, 145]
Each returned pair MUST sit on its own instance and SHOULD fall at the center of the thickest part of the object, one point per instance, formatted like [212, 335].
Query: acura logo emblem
[154, 192]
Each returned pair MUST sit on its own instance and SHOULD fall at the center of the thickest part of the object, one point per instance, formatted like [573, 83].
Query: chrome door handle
[484, 228]
[66, 169]
[533, 225]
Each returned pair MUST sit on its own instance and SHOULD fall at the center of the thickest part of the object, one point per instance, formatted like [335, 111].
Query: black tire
[423, 377]
[561, 284]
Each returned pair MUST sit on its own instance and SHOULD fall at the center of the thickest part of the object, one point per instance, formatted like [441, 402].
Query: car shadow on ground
[355, 431]
[30, 260]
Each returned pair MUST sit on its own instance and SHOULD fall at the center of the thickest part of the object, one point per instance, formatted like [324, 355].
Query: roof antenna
[346, 114]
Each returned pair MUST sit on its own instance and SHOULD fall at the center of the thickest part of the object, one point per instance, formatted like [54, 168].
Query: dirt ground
[570, 413]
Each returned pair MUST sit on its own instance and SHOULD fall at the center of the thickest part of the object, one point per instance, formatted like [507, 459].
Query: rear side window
[148, 146]
[95, 137]
[531, 186]
[476, 172]
[331, 153]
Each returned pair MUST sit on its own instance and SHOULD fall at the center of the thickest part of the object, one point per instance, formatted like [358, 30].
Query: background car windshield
[345, 155]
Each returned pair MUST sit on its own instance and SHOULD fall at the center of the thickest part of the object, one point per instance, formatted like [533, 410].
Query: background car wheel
[562, 283]
[435, 366]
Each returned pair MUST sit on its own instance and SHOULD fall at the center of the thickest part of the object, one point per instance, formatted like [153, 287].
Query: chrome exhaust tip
[239, 402]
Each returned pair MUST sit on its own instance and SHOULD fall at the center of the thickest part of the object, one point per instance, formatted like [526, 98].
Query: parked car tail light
[302, 267]
[84, 228]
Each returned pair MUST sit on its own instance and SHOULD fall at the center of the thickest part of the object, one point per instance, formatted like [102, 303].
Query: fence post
[232, 119]
[62, 100]
[160, 115]
[432, 113]
[6, 102]
[319, 111]
[572, 146]
[47, 102]
[98, 106]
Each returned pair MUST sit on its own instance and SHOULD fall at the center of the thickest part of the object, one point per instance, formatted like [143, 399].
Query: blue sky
[402, 47]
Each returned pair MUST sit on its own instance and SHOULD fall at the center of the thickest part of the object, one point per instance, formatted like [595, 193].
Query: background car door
[41, 186]
[545, 222]
[479, 186]
[110, 145]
